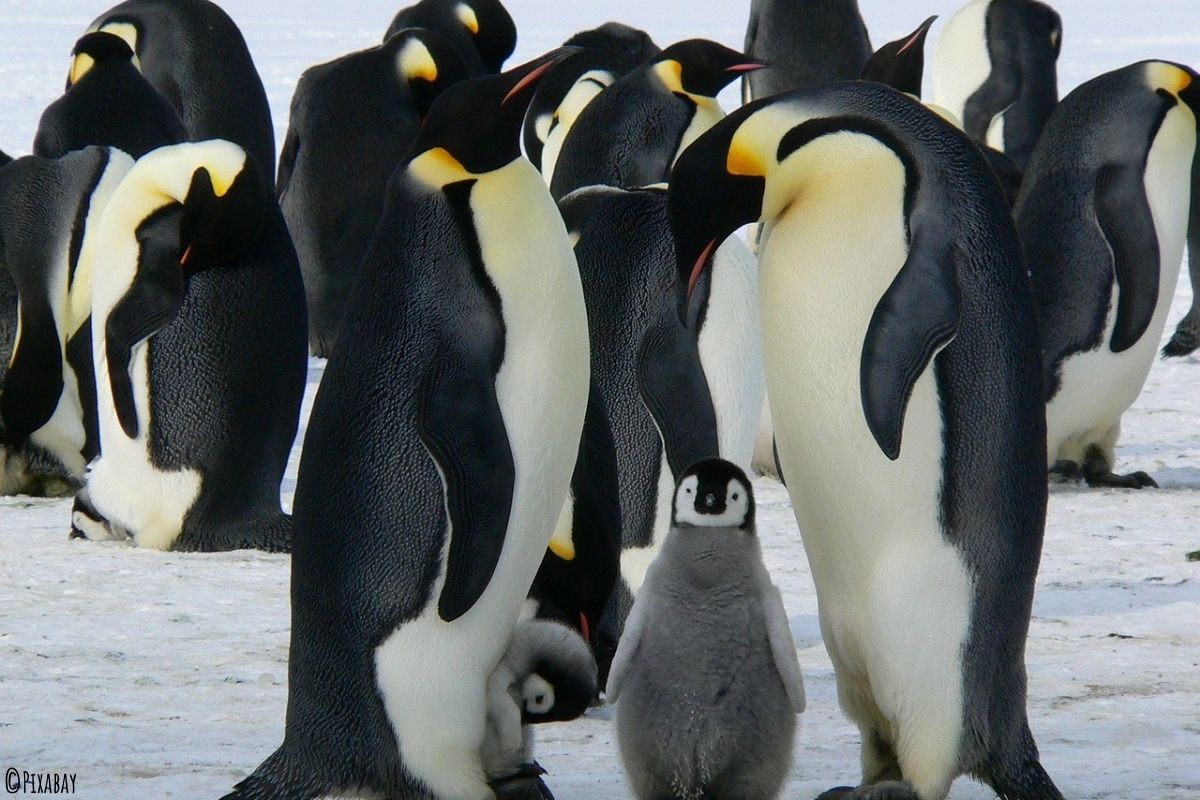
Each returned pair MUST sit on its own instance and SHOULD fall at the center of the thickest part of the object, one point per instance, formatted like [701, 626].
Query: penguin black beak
[530, 74]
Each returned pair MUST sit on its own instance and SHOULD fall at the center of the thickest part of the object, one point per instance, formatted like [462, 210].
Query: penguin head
[701, 68]
[95, 48]
[223, 213]
[473, 127]
[492, 29]
[901, 64]
[426, 64]
[561, 683]
[714, 494]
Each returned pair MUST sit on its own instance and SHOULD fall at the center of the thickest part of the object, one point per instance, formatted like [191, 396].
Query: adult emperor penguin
[1103, 217]
[706, 681]
[806, 42]
[49, 210]
[107, 102]
[1186, 338]
[352, 121]
[904, 370]
[195, 56]
[901, 64]
[609, 52]
[631, 134]
[198, 341]
[481, 31]
[675, 394]
[462, 380]
[994, 68]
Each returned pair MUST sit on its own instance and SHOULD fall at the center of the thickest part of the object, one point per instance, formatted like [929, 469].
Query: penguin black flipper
[672, 385]
[1123, 211]
[916, 317]
[1000, 91]
[1187, 333]
[34, 380]
[459, 421]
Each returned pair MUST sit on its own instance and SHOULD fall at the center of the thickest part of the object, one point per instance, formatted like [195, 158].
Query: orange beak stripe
[699, 266]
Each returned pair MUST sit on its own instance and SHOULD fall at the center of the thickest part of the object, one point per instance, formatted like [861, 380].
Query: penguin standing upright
[198, 341]
[481, 32]
[195, 56]
[806, 42]
[352, 121]
[49, 212]
[994, 68]
[903, 367]
[1103, 216]
[1186, 338]
[107, 102]
[609, 52]
[459, 388]
[631, 134]
[706, 681]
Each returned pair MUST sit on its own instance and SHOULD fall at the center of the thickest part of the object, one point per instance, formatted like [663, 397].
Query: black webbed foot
[1097, 471]
[884, 790]
[524, 784]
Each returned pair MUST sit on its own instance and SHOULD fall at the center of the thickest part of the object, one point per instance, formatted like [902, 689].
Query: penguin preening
[49, 212]
[460, 387]
[806, 42]
[630, 135]
[911, 435]
[1103, 216]
[609, 52]
[994, 68]
[901, 64]
[706, 681]
[198, 343]
[195, 56]
[352, 120]
[481, 32]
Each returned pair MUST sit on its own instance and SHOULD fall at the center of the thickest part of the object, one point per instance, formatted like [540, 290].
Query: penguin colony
[524, 486]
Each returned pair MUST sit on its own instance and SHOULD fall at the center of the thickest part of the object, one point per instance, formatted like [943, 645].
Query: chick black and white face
[714, 494]
[538, 696]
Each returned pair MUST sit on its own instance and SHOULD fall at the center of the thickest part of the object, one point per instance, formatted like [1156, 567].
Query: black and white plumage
[901, 64]
[630, 135]
[903, 366]
[481, 32]
[198, 344]
[192, 52]
[352, 121]
[1103, 216]
[706, 682]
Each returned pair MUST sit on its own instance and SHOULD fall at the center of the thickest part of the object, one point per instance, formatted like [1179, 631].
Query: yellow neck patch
[744, 160]
[467, 15]
[670, 72]
[1167, 76]
[436, 168]
[415, 61]
[80, 65]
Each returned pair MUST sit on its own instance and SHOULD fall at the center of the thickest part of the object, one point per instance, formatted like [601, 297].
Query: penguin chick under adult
[706, 680]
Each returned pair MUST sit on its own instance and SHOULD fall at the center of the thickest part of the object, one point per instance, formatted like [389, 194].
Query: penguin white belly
[731, 351]
[636, 560]
[63, 433]
[584, 91]
[1098, 386]
[894, 596]
[708, 113]
[960, 61]
[432, 674]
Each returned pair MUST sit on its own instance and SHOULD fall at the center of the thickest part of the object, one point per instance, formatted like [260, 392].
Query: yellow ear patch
[415, 61]
[670, 72]
[1168, 76]
[79, 67]
[745, 161]
[561, 543]
[467, 15]
[436, 168]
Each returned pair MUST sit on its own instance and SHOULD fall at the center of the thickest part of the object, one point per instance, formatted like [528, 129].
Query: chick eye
[735, 497]
[689, 491]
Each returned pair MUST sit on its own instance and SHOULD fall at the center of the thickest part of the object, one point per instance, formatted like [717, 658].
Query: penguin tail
[1186, 337]
[1025, 780]
[277, 778]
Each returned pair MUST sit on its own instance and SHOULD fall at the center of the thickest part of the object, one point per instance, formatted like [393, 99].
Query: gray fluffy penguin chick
[547, 675]
[706, 672]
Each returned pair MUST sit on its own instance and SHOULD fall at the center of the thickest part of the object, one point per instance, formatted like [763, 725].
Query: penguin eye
[539, 703]
[689, 491]
[735, 497]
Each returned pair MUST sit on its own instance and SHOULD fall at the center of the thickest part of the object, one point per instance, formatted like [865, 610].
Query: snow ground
[156, 675]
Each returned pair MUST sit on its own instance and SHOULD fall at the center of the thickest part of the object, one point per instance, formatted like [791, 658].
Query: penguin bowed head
[221, 219]
[714, 494]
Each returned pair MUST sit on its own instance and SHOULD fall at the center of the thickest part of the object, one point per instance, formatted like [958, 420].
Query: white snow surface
[155, 675]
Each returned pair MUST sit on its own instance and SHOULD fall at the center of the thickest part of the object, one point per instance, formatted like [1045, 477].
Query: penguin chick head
[562, 681]
[426, 63]
[714, 494]
[901, 64]
[701, 68]
[492, 29]
[223, 213]
[98, 47]
[474, 126]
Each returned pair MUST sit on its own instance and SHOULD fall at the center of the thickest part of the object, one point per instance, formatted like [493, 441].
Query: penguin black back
[806, 41]
[481, 31]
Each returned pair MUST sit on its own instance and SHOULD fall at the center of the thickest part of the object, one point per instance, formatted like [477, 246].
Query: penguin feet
[885, 790]
[1063, 471]
[524, 784]
[1097, 471]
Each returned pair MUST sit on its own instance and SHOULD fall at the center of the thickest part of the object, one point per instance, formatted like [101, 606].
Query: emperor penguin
[198, 343]
[706, 681]
[806, 42]
[49, 213]
[195, 56]
[1103, 216]
[460, 389]
[352, 120]
[1186, 338]
[631, 134]
[107, 102]
[901, 64]
[481, 32]
[609, 52]
[903, 366]
[994, 68]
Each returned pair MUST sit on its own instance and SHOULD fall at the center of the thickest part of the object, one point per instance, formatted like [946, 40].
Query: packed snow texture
[155, 675]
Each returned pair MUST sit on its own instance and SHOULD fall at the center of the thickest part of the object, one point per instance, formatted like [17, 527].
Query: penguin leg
[1097, 471]
[1064, 471]
[879, 762]
[887, 790]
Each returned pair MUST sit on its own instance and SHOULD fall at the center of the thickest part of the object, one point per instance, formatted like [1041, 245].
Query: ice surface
[156, 675]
